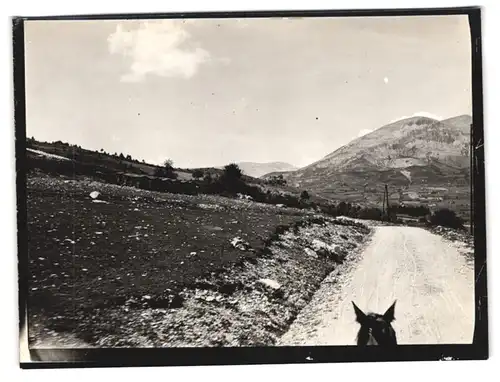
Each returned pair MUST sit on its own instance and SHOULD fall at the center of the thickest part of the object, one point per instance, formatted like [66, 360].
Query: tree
[342, 208]
[197, 174]
[277, 180]
[231, 179]
[168, 163]
[447, 218]
[232, 172]
[167, 171]
[304, 195]
[207, 178]
[371, 213]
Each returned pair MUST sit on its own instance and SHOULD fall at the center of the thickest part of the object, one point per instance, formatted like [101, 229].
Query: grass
[85, 255]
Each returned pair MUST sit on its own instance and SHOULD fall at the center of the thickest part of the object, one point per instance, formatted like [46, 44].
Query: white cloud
[364, 132]
[428, 115]
[419, 114]
[158, 48]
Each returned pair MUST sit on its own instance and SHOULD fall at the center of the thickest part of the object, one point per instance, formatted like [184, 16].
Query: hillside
[409, 155]
[107, 162]
[74, 162]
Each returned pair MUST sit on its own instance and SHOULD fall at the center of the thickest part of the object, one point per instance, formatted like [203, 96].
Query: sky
[207, 92]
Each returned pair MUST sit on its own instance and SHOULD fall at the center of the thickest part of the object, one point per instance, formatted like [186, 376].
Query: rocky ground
[126, 267]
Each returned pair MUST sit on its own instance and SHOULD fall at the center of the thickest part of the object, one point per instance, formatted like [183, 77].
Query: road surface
[427, 275]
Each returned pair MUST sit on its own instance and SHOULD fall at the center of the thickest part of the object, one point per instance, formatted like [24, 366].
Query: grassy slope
[88, 253]
[88, 260]
[110, 163]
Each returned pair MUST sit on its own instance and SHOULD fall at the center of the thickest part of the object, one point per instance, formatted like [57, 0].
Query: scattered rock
[238, 243]
[131, 302]
[270, 283]
[311, 252]
[244, 197]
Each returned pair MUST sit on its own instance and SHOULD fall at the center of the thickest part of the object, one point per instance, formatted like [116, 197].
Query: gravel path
[427, 275]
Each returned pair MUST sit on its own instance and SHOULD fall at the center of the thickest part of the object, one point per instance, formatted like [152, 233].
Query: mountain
[256, 170]
[411, 151]
[462, 122]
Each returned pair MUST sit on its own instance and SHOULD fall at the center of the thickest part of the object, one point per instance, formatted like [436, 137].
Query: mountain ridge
[412, 153]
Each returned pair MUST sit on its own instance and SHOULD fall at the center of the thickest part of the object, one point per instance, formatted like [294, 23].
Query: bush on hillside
[230, 182]
[197, 174]
[276, 180]
[232, 172]
[370, 213]
[165, 172]
[447, 218]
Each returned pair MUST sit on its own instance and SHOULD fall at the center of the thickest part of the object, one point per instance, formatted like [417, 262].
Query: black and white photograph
[251, 182]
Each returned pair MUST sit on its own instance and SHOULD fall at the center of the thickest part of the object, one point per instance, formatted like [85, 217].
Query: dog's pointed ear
[389, 314]
[360, 316]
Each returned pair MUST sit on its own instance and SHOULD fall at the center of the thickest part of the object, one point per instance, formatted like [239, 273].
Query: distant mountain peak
[414, 142]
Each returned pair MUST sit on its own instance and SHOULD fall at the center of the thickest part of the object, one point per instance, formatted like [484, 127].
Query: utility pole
[386, 195]
[383, 206]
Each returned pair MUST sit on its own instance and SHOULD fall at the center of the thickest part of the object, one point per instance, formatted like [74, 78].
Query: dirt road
[431, 281]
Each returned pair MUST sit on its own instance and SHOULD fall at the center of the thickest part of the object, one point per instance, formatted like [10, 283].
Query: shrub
[230, 181]
[370, 213]
[168, 163]
[165, 172]
[342, 208]
[304, 195]
[415, 211]
[197, 174]
[329, 209]
[447, 218]
[232, 172]
[277, 180]
[207, 178]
